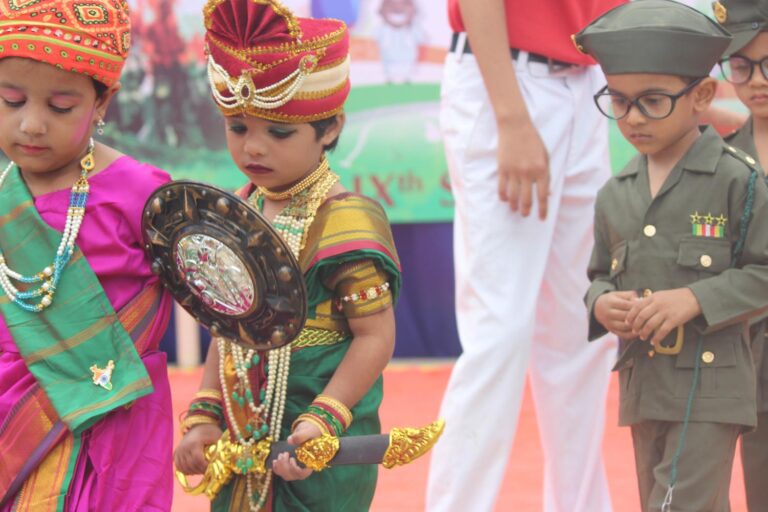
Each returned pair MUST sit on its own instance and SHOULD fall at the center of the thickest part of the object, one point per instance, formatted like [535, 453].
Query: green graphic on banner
[391, 150]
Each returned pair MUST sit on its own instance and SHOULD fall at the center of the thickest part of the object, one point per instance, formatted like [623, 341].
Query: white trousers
[519, 289]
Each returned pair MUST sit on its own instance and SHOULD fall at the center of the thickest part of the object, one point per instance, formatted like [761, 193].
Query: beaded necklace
[292, 223]
[49, 277]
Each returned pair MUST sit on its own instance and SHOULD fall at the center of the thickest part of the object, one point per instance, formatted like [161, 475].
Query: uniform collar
[702, 156]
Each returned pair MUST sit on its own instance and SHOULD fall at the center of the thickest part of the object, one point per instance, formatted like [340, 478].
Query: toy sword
[227, 458]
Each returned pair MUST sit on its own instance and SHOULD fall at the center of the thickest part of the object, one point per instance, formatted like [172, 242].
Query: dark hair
[101, 88]
[321, 126]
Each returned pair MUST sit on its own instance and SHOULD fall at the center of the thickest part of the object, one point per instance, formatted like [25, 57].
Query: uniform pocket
[711, 255]
[720, 362]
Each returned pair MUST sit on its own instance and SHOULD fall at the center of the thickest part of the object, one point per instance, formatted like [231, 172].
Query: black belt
[532, 57]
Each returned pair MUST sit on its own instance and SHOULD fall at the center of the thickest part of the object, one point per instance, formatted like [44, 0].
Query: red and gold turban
[264, 62]
[90, 36]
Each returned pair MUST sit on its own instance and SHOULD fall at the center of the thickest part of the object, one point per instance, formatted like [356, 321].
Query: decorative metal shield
[225, 264]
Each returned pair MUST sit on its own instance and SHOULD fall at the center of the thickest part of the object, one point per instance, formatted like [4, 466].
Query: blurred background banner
[390, 149]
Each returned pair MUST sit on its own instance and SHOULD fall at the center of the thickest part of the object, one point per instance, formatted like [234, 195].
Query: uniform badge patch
[708, 226]
[103, 376]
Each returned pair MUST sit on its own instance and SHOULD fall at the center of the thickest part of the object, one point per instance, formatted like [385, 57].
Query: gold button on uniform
[705, 260]
[614, 264]
[649, 230]
[707, 357]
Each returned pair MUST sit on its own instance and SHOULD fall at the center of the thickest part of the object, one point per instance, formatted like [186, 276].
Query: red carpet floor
[412, 398]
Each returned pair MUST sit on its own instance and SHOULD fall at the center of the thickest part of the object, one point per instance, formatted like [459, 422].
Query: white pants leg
[519, 288]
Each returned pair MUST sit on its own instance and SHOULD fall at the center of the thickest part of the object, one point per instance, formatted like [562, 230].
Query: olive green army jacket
[744, 139]
[684, 237]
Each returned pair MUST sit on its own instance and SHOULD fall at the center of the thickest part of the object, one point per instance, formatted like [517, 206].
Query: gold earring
[100, 126]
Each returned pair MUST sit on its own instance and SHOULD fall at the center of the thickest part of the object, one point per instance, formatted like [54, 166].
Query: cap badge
[577, 45]
[721, 13]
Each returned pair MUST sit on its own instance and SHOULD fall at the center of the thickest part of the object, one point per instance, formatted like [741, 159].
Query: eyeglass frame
[752, 65]
[635, 101]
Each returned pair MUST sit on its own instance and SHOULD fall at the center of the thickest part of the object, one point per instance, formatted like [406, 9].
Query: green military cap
[654, 36]
[742, 18]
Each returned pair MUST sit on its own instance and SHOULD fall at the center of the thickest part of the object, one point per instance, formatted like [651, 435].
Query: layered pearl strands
[292, 224]
[50, 276]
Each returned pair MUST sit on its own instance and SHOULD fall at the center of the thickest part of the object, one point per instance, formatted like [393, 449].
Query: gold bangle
[213, 394]
[311, 419]
[194, 420]
[337, 406]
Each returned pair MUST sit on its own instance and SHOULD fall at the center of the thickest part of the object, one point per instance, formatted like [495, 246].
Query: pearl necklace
[292, 224]
[49, 277]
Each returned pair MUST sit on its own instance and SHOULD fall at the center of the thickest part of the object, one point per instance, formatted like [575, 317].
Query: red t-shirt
[545, 26]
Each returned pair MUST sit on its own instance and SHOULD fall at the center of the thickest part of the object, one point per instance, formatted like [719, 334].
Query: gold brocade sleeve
[360, 288]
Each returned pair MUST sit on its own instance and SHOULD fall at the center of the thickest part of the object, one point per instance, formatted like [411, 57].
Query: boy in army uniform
[746, 67]
[680, 261]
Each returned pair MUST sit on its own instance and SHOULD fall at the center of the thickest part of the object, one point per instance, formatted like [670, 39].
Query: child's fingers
[640, 313]
[617, 315]
[622, 331]
[279, 466]
[301, 473]
[186, 463]
[627, 295]
[287, 468]
[303, 433]
[634, 310]
[650, 326]
[199, 463]
[664, 329]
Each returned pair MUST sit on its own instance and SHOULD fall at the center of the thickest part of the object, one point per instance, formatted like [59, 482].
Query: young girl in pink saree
[85, 410]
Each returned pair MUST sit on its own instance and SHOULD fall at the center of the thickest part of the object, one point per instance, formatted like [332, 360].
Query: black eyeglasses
[653, 105]
[738, 69]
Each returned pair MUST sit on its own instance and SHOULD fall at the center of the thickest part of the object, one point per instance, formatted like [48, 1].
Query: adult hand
[523, 168]
[611, 311]
[189, 455]
[661, 312]
[286, 466]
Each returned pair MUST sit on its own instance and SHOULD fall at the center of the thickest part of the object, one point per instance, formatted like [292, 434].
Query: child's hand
[188, 457]
[611, 311]
[661, 312]
[285, 466]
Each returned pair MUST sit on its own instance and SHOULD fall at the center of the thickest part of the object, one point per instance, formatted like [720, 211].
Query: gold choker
[309, 180]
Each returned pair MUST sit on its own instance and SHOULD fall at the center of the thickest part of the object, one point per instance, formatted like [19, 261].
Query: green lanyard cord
[665, 506]
[746, 217]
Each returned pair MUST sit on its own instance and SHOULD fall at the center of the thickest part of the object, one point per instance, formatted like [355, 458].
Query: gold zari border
[311, 337]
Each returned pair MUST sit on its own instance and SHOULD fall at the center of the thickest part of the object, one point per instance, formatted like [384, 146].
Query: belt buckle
[671, 350]
[661, 348]
[554, 67]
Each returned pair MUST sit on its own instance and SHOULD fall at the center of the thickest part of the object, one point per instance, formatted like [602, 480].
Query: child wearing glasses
[680, 261]
[746, 66]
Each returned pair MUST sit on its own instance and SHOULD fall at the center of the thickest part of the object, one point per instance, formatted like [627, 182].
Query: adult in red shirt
[522, 135]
